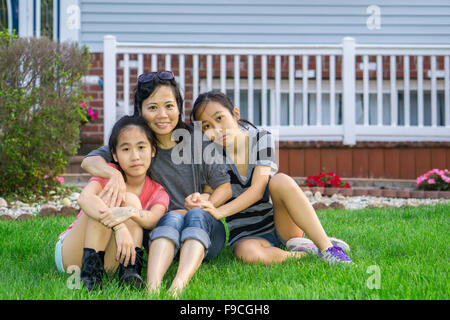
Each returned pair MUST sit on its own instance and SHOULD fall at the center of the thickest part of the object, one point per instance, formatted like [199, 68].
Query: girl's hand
[125, 246]
[193, 201]
[113, 216]
[113, 194]
[211, 209]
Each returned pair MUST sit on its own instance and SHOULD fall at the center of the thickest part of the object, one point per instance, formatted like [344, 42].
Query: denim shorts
[195, 224]
[272, 237]
[58, 253]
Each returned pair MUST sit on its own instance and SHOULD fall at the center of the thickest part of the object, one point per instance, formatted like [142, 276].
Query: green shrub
[40, 111]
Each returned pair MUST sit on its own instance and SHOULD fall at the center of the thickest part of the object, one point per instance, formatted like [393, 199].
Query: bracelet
[121, 227]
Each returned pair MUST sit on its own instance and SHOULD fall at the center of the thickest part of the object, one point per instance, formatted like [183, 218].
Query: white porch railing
[348, 101]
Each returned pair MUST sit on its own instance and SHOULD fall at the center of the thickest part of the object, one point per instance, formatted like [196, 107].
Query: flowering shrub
[40, 118]
[90, 114]
[434, 180]
[329, 179]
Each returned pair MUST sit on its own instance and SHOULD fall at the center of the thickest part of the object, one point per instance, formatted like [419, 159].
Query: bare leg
[261, 251]
[191, 256]
[86, 233]
[160, 256]
[293, 212]
[131, 200]
[89, 233]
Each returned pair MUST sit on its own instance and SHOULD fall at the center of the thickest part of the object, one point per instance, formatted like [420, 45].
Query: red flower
[329, 179]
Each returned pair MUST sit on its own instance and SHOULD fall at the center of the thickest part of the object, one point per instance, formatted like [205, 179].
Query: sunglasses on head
[150, 76]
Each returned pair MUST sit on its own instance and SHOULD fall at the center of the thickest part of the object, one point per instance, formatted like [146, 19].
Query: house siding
[263, 21]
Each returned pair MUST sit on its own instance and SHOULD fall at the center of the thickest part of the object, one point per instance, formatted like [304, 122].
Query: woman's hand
[125, 246]
[192, 201]
[113, 194]
[113, 216]
[211, 209]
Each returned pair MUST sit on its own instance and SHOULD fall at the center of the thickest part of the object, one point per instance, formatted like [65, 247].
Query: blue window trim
[34, 17]
[58, 6]
[14, 5]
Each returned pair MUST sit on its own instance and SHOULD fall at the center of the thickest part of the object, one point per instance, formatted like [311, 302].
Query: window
[4, 19]
[47, 18]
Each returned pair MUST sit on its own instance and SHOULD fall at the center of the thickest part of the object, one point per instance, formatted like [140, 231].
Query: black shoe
[92, 268]
[131, 274]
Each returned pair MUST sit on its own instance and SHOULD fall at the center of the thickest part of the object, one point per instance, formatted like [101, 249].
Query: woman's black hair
[125, 122]
[216, 96]
[145, 90]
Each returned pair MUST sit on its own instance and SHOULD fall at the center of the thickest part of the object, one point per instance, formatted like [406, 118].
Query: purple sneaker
[340, 243]
[334, 255]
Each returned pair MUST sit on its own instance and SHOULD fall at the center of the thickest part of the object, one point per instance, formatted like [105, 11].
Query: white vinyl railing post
[348, 90]
[109, 85]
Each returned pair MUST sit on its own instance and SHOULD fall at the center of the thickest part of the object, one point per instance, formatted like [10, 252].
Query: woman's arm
[113, 194]
[249, 197]
[221, 194]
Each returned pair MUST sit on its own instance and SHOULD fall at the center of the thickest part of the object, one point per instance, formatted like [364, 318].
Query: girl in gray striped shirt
[267, 210]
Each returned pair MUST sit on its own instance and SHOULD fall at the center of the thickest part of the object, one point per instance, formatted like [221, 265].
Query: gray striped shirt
[258, 218]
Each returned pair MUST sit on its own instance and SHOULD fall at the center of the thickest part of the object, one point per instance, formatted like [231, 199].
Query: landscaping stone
[330, 191]
[431, 194]
[403, 193]
[48, 211]
[25, 216]
[6, 216]
[68, 211]
[359, 192]
[66, 202]
[346, 192]
[317, 189]
[390, 193]
[418, 194]
[318, 195]
[375, 192]
[336, 205]
[444, 194]
[3, 203]
[320, 206]
[308, 193]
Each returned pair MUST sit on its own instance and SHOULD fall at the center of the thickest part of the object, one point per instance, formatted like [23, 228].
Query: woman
[192, 231]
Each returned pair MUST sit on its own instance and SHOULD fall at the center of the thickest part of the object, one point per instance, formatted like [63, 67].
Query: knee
[197, 218]
[196, 213]
[198, 226]
[281, 181]
[133, 227]
[169, 227]
[132, 200]
[172, 219]
[247, 252]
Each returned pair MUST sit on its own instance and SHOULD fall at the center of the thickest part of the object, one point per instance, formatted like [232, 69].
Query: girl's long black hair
[219, 97]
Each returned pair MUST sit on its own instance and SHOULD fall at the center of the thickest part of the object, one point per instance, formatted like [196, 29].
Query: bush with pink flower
[434, 180]
[88, 113]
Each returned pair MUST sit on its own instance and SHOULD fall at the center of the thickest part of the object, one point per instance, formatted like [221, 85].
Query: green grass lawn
[407, 248]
